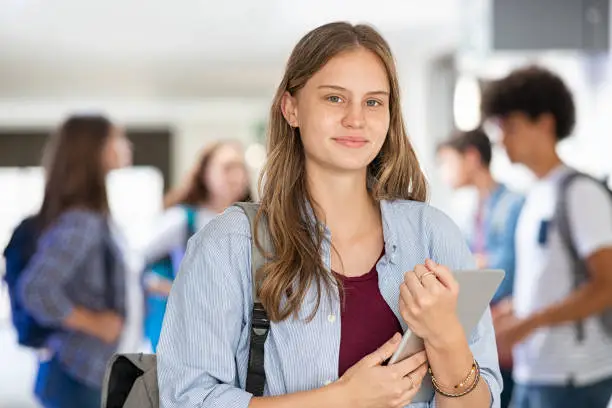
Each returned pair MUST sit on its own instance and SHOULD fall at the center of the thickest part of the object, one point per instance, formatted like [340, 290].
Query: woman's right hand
[106, 326]
[369, 384]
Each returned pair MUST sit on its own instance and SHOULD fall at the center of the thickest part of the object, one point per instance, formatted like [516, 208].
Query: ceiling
[185, 48]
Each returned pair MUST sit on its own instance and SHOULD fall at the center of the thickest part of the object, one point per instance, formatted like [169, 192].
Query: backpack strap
[561, 217]
[110, 264]
[191, 214]
[260, 325]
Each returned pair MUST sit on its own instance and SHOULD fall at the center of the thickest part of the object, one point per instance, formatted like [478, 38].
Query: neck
[342, 199]
[484, 183]
[545, 164]
[216, 206]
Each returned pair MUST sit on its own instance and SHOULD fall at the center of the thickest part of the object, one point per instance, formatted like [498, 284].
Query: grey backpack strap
[260, 325]
[561, 219]
[131, 382]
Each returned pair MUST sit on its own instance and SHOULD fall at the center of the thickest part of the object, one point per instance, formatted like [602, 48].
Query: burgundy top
[367, 321]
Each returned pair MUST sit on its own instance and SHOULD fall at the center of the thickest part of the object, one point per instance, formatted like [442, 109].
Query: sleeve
[449, 249]
[197, 363]
[168, 233]
[590, 224]
[61, 250]
[505, 255]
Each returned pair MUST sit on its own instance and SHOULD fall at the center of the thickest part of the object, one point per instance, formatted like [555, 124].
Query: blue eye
[334, 99]
[373, 103]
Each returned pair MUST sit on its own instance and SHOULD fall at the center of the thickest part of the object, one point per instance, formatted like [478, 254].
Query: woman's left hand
[428, 303]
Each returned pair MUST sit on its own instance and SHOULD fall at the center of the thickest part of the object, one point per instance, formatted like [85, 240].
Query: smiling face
[342, 112]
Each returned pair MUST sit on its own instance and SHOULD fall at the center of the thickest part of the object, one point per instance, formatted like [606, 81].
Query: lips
[351, 141]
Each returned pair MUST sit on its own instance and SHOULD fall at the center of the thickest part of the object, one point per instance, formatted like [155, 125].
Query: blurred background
[179, 75]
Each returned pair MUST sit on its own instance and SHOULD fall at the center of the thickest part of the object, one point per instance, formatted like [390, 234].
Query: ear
[289, 109]
[473, 155]
[546, 123]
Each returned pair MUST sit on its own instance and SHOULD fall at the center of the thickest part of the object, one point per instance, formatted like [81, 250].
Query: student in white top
[218, 179]
[532, 110]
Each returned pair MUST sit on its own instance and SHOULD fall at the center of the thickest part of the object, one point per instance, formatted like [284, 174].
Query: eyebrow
[339, 88]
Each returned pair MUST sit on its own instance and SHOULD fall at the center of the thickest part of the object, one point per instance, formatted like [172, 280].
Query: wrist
[450, 358]
[452, 339]
[452, 367]
[338, 395]
[535, 321]
[82, 320]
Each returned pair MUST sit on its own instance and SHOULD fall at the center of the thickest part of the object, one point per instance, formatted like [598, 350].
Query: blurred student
[218, 179]
[74, 283]
[561, 321]
[465, 161]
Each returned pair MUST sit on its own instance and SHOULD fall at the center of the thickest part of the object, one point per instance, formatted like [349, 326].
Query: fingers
[405, 296]
[411, 280]
[411, 383]
[443, 274]
[410, 364]
[384, 352]
[428, 278]
[415, 378]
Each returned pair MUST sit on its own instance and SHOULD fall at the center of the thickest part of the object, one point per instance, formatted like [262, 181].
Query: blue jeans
[57, 389]
[562, 396]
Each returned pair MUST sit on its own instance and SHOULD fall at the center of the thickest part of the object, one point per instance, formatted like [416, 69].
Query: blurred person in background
[218, 179]
[75, 280]
[465, 160]
[563, 352]
[343, 199]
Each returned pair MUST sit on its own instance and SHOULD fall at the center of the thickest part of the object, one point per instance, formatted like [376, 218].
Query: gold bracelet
[471, 388]
[474, 371]
[465, 380]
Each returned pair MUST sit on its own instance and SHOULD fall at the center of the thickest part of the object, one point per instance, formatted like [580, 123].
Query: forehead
[227, 153]
[448, 153]
[515, 118]
[358, 71]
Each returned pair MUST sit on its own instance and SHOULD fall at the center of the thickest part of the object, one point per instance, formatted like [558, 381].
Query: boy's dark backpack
[579, 266]
[17, 254]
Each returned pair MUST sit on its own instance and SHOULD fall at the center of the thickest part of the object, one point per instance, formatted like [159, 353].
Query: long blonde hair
[285, 200]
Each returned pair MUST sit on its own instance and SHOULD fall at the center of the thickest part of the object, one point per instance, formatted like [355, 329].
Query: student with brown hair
[358, 257]
[465, 160]
[218, 179]
[75, 280]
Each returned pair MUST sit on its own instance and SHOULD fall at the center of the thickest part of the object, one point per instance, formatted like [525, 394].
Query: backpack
[17, 254]
[580, 269]
[131, 379]
[166, 268]
[20, 249]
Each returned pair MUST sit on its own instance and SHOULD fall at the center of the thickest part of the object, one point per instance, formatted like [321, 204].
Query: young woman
[76, 279]
[218, 180]
[358, 257]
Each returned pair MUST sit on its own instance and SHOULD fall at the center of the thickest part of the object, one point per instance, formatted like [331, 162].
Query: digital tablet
[477, 288]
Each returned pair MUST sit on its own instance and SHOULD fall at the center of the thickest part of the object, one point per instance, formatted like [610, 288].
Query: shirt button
[331, 318]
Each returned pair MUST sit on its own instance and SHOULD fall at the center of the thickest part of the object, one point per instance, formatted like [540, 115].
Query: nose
[354, 116]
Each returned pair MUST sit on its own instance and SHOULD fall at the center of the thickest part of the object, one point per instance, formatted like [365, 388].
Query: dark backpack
[20, 249]
[131, 379]
[581, 273]
[17, 254]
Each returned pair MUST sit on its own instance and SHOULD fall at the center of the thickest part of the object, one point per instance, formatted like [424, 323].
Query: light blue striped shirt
[204, 346]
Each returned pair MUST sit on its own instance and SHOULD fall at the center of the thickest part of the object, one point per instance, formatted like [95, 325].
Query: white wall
[194, 122]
